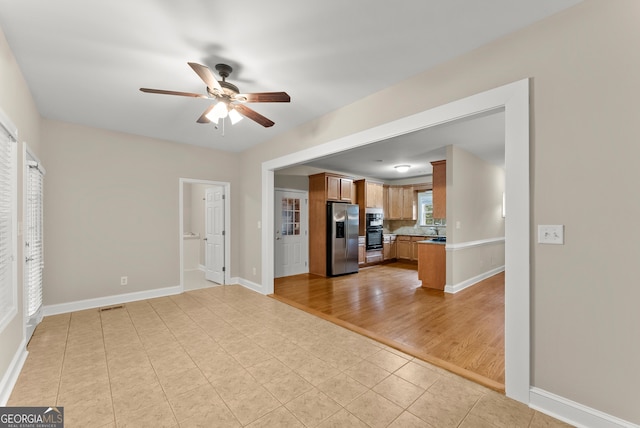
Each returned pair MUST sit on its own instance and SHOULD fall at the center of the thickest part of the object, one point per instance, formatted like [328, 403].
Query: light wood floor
[462, 332]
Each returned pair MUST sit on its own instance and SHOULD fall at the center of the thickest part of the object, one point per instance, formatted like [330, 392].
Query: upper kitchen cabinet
[337, 187]
[439, 189]
[369, 194]
[401, 203]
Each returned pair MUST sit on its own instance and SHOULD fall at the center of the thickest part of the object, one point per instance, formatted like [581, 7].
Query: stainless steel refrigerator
[342, 238]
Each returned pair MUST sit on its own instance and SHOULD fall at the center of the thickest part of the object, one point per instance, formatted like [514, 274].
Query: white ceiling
[482, 135]
[85, 60]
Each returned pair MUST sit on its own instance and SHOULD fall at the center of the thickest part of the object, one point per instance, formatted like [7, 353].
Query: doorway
[514, 99]
[204, 233]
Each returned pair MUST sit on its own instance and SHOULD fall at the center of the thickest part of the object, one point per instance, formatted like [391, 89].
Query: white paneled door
[214, 234]
[291, 237]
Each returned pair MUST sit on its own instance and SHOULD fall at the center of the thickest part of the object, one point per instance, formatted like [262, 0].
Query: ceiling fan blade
[253, 115]
[206, 75]
[182, 94]
[203, 117]
[264, 97]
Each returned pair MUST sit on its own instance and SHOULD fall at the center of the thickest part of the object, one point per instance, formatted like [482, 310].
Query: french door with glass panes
[34, 252]
[291, 237]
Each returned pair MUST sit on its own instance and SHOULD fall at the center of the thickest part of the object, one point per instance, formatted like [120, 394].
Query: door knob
[205, 239]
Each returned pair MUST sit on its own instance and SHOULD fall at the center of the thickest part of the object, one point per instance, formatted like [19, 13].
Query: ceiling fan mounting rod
[224, 70]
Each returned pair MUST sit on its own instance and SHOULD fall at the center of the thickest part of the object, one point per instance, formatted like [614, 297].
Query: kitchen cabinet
[373, 194]
[439, 189]
[403, 244]
[324, 187]
[361, 250]
[432, 265]
[401, 203]
[414, 246]
[368, 195]
[339, 188]
[407, 247]
[390, 249]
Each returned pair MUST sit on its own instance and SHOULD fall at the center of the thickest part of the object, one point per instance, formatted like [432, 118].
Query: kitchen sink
[439, 239]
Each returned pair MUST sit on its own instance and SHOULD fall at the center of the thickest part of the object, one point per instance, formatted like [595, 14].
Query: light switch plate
[551, 234]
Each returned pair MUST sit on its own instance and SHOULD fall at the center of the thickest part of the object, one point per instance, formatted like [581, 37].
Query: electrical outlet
[254, 271]
[124, 280]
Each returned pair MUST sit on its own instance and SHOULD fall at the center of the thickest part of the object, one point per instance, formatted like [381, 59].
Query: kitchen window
[425, 208]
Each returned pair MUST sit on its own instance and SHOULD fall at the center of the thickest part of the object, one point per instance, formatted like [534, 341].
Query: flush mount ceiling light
[402, 168]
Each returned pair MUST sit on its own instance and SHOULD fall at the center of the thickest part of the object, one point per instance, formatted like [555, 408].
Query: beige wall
[474, 202]
[17, 104]
[474, 198]
[112, 209]
[584, 64]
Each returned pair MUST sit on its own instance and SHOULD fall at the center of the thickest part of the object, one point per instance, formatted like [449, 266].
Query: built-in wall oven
[373, 224]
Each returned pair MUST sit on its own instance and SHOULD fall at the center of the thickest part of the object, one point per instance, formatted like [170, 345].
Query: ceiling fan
[229, 101]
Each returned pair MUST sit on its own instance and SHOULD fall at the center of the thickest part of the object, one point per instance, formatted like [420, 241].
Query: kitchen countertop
[411, 234]
[429, 241]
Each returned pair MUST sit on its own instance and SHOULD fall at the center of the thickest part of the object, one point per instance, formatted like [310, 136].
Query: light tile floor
[229, 357]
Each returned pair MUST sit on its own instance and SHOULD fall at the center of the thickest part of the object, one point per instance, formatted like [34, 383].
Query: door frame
[305, 225]
[514, 99]
[227, 225]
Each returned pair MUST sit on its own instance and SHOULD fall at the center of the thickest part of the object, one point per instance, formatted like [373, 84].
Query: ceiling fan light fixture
[218, 112]
[234, 116]
[402, 168]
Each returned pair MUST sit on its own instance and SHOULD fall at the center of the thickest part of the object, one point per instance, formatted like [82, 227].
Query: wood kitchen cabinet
[339, 188]
[415, 245]
[373, 194]
[368, 195]
[403, 246]
[362, 250]
[439, 189]
[432, 265]
[401, 203]
[407, 247]
[324, 187]
[390, 248]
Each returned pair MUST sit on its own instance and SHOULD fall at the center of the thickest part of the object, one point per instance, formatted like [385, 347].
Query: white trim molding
[253, 286]
[13, 371]
[471, 281]
[471, 244]
[80, 305]
[573, 413]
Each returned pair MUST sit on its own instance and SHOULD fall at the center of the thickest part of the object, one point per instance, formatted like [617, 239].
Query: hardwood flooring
[462, 332]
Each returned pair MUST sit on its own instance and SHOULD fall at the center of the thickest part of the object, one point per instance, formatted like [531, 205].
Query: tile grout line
[106, 361]
[64, 355]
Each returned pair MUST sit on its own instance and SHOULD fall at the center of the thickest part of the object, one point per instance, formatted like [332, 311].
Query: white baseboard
[98, 302]
[11, 375]
[248, 284]
[573, 413]
[203, 268]
[471, 281]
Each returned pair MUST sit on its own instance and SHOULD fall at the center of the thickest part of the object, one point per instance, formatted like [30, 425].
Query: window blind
[33, 239]
[8, 285]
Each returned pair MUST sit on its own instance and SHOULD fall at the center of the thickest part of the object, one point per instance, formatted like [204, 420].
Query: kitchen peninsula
[432, 263]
